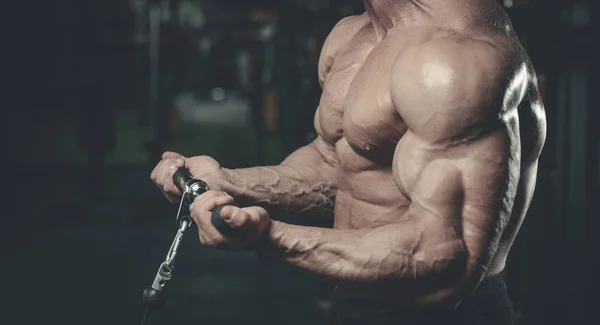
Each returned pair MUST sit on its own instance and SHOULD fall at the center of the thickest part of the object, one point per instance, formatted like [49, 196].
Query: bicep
[461, 191]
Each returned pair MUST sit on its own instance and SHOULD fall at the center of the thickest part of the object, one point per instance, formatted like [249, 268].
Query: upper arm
[459, 161]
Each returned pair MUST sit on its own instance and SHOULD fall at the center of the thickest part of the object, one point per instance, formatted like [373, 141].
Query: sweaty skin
[430, 128]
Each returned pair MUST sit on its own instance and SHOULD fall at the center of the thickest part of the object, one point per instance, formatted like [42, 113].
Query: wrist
[218, 180]
[266, 245]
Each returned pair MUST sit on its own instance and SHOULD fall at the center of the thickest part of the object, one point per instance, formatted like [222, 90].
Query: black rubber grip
[153, 299]
[182, 176]
[219, 223]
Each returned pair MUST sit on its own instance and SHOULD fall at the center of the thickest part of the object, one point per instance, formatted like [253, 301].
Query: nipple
[368, 147]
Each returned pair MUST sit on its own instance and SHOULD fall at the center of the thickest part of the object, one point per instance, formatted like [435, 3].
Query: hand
[201, 167]
[249, 224]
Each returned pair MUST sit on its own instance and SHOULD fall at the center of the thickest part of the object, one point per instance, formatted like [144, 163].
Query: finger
[243, 219]
[171, 166]
[154, 175]
[209, 200]
[177, 162]
[201, 210]
[158, 173]
[172, 198]
[206, 196]
[235, 217]
[171, 155]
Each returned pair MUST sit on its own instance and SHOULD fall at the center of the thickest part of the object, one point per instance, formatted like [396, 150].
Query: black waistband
[491, 294]
[490, 301]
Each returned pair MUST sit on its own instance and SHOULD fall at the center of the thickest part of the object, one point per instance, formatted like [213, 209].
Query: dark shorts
[488, 305]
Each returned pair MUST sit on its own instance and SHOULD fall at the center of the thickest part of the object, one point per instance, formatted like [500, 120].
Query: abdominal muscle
[367, 195]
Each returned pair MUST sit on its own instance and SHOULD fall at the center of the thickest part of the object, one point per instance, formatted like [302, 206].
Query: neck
[388, 14]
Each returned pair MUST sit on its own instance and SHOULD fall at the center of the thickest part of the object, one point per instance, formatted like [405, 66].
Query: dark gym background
[96, 89]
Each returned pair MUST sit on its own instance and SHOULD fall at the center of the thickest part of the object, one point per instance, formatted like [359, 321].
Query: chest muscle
[356, 103]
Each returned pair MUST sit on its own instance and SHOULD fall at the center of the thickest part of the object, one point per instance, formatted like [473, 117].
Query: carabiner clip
[191, 189]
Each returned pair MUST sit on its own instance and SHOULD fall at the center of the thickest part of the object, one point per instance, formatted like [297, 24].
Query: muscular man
[430, 128]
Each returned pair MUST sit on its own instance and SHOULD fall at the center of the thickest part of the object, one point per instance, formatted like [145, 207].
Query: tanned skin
[430, 128]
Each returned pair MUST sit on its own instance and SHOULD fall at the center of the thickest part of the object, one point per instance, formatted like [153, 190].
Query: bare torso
[357, 118]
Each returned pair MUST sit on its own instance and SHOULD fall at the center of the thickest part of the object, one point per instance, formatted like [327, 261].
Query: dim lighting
[581, 16]
[217, 94]
[267, 32]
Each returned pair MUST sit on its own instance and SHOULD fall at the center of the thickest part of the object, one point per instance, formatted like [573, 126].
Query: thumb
[231, 215]
[180, 162]
[243, 218]
[171, 154]
[236, 218]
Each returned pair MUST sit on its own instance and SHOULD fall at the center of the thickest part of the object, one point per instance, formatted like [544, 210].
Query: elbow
[451, 284]
[420, 285]
[440, 280]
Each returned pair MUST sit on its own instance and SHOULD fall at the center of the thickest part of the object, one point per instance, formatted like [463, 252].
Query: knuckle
[237, 218]
[211, 195]
[222, 200]
[248, 216]
[238, 214]
[258, 211]
[248, 219]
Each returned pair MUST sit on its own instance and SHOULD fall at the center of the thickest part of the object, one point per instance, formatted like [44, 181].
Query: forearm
[304, 183]
[394, 263]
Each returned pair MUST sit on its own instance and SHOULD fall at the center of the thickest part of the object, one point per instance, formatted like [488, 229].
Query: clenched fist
[248, 225]
[201, 167]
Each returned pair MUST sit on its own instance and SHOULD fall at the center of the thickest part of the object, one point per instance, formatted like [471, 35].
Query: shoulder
[445, 80]
[341, 34]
